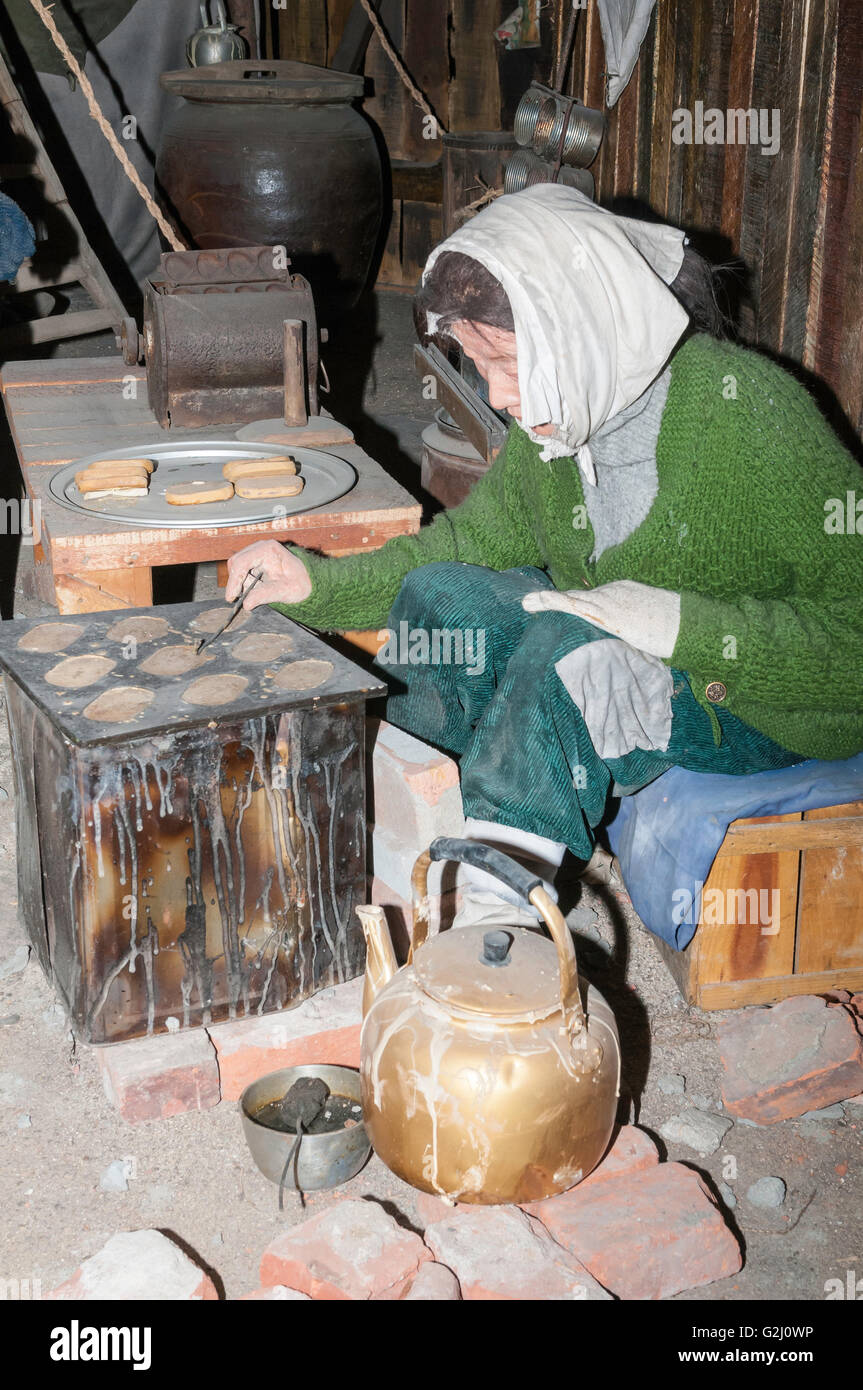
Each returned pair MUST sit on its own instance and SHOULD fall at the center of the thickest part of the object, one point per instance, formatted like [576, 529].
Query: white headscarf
[594, 321]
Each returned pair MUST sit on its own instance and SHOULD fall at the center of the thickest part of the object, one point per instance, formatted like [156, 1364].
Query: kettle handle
[527, 885]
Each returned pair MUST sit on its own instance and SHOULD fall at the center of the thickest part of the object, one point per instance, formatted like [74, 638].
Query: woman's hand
[645, 618]
[285, 578]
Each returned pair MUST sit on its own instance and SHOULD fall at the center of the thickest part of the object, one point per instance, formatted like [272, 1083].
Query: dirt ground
[192, 1175]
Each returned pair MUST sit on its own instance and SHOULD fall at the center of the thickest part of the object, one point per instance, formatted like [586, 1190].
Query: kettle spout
[381, 963]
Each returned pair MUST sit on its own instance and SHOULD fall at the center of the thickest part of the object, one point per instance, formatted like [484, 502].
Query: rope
[98, 116]
[386, 45]
[488, 196]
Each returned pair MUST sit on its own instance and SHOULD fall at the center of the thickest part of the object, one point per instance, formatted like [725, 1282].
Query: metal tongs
[256, 576]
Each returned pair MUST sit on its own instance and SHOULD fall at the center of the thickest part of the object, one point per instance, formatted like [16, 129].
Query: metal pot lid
[269, 80]
[509, 973]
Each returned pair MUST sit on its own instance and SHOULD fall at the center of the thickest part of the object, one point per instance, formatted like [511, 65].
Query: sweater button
[716, 692]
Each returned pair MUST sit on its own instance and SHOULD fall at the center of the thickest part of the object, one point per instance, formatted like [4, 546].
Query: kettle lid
[507, 973]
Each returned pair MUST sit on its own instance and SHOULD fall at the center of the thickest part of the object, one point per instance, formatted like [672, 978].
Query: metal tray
[327, 477]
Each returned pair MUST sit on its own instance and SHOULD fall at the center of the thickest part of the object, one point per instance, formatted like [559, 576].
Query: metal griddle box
[196, 863]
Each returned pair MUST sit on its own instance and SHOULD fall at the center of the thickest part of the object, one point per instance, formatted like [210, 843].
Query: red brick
[401, 762]
[354, 1250]
[138, 1266]
[631, 1152]
[278, 1293]
[325, 1028]
[501, 1253]
[857, 1003]
[803, 1054]
[837, 996]
[415, 798]
[434, 1284]
[154, 1078]
[430, 1208]
[650, 1236]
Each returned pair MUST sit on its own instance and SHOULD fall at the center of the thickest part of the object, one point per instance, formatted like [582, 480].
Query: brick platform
[636, 1228]
[325, 1028]
[155, 1078]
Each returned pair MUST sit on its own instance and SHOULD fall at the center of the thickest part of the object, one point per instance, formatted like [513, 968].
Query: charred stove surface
[188, 865]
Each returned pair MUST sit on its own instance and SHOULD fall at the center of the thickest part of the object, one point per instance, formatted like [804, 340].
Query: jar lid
[262, 81]
[510, 973]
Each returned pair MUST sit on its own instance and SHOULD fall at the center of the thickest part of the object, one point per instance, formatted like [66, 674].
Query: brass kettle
[490, 1072]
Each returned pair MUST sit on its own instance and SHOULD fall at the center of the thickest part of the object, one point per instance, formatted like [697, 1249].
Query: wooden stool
[782, 912]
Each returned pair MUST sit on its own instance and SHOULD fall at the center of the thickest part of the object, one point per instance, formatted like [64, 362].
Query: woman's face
[492, 351]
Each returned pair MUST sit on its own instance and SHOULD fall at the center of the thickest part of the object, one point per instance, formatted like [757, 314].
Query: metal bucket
[585, 128]
[325, 1160]
[523, 170]
[526, 115]
[582, 179]
[526, 169]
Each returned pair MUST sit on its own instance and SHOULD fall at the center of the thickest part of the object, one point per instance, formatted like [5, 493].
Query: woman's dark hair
[458, 287]
[696, 286]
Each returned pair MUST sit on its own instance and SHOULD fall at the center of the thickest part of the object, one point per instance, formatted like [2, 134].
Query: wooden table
[68, 408]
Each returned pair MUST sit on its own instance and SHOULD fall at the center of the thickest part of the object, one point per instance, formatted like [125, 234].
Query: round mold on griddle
[212, 691]
[212, 619]
[140, 628]
[260, 647]
[74, 672]
[119, 705]
[50, 637]
[303, 675]
[173, 661]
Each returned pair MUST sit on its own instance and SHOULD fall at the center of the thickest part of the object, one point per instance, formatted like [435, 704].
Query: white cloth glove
[646, 618]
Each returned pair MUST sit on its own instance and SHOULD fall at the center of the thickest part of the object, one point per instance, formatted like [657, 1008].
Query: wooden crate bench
[813, 860]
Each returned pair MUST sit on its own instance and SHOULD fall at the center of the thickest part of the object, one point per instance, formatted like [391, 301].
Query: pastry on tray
[113, 464]
[125, 478]
[197, 492]
[258, 468]
[269, 485]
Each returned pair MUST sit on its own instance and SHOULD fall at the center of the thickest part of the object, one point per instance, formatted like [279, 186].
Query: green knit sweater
[743, 527]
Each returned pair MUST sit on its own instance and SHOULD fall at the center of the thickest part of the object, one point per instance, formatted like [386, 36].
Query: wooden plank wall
[791, 224]
[309, 30]
[792, 220]
[471, 83]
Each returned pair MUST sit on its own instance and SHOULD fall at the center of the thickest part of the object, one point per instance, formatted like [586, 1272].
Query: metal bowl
[325, 1160]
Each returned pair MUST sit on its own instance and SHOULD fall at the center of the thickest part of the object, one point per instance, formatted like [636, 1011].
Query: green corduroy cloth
[772, 593]
[526, 753]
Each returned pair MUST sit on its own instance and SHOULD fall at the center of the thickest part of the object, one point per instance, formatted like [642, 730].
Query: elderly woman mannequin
[645, 569]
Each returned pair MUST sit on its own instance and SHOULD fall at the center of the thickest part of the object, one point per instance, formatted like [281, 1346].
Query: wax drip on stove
[299, 1107]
